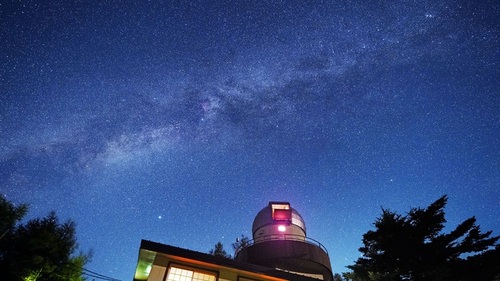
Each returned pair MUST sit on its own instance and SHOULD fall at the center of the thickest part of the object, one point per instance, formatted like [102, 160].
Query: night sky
[177, 122]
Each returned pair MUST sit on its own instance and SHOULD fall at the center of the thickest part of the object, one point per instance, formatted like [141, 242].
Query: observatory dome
[280, 242]
[278, 214]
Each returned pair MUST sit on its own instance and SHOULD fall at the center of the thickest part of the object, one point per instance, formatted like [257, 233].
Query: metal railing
[274, 237]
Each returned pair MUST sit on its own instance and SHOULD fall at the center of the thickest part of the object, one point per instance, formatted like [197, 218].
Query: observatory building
[279, 251]
[280, 241]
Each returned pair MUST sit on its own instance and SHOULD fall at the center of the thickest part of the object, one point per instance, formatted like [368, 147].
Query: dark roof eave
[221, 261]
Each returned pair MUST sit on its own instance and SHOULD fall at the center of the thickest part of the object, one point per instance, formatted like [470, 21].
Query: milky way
[178, 122]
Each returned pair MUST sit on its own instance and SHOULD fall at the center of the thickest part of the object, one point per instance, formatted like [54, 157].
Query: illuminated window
[281, 211]
[183, 274]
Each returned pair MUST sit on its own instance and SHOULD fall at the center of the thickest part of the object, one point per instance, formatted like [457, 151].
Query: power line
[100, 276]
[94, 274]
[94, 277]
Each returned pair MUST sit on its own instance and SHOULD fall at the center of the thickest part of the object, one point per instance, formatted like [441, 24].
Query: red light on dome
[282, 215]
[281, 228]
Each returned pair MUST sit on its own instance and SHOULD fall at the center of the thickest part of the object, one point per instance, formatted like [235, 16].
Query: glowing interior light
[281, 228]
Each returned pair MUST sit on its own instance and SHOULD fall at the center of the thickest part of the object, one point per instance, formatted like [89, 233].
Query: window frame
[281, 212]
[194, 269]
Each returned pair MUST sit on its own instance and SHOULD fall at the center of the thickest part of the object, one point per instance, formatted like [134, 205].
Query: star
[207, 112]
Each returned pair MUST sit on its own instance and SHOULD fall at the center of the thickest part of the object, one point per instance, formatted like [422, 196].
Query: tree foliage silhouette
[41, 249]
[413, 247]
[337, 277]
[241, 242]
[218, 250]
[10, 215]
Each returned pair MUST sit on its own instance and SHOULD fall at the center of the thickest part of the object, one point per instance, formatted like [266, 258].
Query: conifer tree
[413, 247]
[41, 249]
[218, 250]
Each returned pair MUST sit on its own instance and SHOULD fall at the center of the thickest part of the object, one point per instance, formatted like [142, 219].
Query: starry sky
[178, 121]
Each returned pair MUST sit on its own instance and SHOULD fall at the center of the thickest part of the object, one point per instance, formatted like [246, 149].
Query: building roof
[217, 260]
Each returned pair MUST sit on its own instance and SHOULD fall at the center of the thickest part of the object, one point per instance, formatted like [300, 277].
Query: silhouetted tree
[241, 242]
[10, 215]
[337, 277]
[218, 250]
[350, 276]
[413, 248]
[41, 249]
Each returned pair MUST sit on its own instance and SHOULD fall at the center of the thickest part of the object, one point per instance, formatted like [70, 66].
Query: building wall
[162, 263]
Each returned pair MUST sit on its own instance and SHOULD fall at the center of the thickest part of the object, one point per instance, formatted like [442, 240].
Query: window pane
[180, 274]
